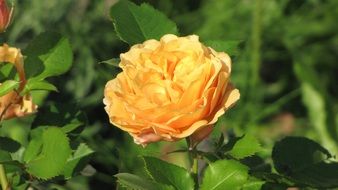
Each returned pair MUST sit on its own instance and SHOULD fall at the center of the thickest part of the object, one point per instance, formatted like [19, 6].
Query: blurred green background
[285, 68]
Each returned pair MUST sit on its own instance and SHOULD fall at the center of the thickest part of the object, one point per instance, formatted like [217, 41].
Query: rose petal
[170, 89]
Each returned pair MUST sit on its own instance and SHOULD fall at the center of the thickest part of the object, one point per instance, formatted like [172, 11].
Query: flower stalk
[193, 157]
[256, 42]
[194, 168]
[3, 178]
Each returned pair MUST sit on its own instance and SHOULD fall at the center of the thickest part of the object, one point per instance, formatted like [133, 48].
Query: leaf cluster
[52, 149]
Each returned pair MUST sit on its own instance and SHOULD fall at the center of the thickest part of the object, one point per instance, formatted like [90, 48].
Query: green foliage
[244, 147]
[32, 85]
[77, 161]
[7, 72]
[170, 174]
[9, 145]
[253, 185]
[4, 156]
[33, 149]
[224, 174]
[135, 182]
[313, 95]
[69, 117]
[303, 152]
[55, 151]
[113, 62]
[237, 147]
[8, 86]
[48, 152]
[300, 162]
[230, 47]
[305, 162]
[297, 57]
[49, 54]
[135, 24]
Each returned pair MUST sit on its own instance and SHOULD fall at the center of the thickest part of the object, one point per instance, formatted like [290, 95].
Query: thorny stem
[3, 179]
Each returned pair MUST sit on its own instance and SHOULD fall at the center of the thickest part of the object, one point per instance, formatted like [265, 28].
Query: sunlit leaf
[49, 54]
[253, 184]
[8, 86]
[225, 174]
[38, 85]
[33, 149]
[167, 173]
[54, 153]
[135, 24]
[7, 72]
[246, 146]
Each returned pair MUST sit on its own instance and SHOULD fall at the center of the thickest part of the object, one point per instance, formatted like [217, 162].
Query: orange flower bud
[5, 15]
[13, 104]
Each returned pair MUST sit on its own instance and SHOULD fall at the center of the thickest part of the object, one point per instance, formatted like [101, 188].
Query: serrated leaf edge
[58, 172]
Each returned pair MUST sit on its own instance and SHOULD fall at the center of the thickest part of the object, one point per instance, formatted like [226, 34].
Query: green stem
[256, 43]
[194, 162]
[194, 169]
[253, 83]
[3, 178]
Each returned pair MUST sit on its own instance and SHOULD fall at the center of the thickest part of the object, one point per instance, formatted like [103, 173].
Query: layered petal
[170, 89]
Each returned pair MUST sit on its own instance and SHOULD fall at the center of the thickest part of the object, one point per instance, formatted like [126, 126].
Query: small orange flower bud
[5, 15]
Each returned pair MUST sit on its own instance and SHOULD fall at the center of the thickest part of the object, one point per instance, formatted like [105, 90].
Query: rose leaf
[167, 173]
[136, 24]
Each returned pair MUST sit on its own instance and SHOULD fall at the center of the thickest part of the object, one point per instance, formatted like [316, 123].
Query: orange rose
[170, 89]
[12, 104]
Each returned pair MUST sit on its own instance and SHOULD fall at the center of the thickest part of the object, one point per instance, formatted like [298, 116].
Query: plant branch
[3, 179]
[193, 157]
